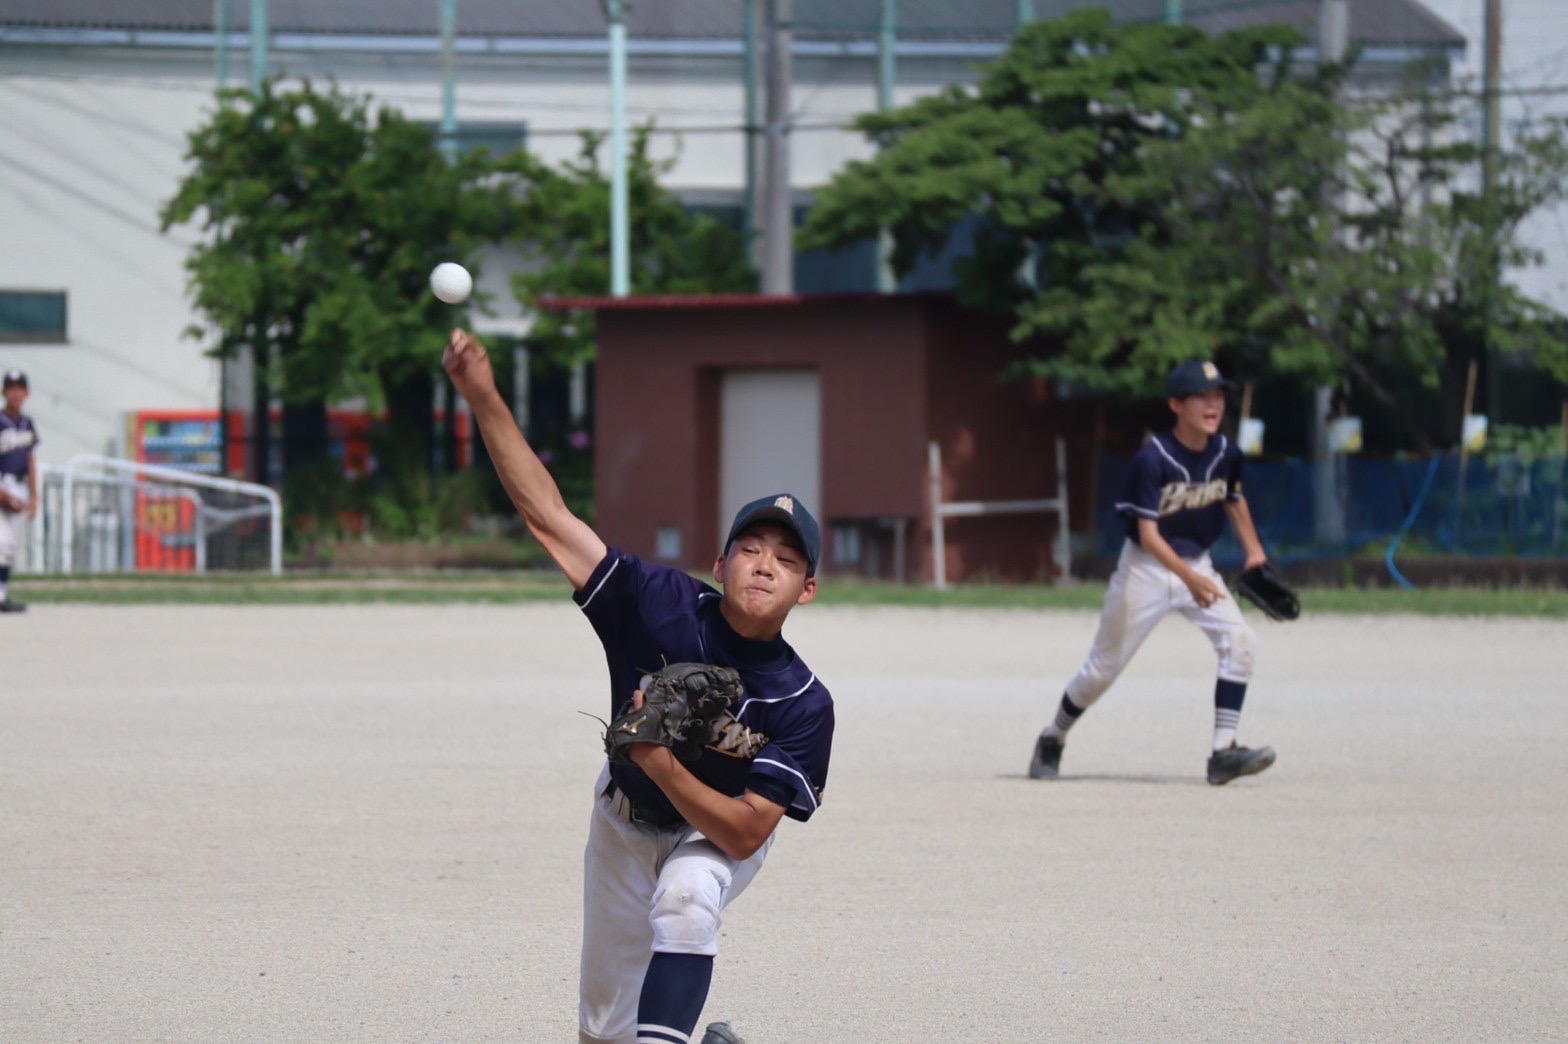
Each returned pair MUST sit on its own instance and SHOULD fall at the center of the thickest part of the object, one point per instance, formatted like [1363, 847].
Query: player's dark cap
[15, 377]
[787, 509]
[1193, 377]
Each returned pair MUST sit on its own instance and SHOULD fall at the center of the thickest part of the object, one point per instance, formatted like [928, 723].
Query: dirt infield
[365, 824]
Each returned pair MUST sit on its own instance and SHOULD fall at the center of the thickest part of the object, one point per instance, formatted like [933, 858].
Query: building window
[499, 138]
[667, 543]
[34, 316]
[846, 543]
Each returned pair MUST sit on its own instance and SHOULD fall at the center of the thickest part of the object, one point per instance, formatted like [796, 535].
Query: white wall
[84, 165]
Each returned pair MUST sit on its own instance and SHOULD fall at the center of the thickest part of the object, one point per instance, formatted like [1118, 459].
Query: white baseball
[451, 282]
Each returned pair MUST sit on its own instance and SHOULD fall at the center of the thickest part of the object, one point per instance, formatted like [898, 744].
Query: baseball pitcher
[720, 730]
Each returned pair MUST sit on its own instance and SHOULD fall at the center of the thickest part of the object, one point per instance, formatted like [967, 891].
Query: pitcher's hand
[468, 364]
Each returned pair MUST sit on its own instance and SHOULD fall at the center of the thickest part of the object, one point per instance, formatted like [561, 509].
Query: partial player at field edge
[18, 480]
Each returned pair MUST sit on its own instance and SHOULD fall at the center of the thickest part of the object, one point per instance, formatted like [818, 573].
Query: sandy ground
[365, 824]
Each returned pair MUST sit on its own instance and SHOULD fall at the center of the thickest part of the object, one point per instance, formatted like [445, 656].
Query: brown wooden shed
[703, 403]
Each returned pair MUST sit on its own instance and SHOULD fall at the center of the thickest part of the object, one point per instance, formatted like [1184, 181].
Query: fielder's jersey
[1184, 491]
[780, 737]
[18, 436]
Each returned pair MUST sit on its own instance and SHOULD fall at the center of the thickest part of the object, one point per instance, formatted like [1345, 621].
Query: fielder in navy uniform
[670, 846]
[18, 480]
[1182, 486]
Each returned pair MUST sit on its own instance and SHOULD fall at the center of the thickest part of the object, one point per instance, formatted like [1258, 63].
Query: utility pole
[1328, 514]
[751, 204]
[1491, 142]
[620, 237]
[220, 33]
[448, 78]
[258, 44]
[260, 353]
[778, 257]
[887, 40]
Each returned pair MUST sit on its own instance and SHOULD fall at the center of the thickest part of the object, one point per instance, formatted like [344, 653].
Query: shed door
[770, 439]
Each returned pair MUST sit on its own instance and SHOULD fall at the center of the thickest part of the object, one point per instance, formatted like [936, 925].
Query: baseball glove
[683, 708]
[1265, 588]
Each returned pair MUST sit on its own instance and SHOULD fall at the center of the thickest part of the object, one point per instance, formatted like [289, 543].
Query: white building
[96, 98]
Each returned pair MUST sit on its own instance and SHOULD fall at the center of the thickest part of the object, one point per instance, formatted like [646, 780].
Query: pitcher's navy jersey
[18, 436]
[781, 735]
[1183, 490]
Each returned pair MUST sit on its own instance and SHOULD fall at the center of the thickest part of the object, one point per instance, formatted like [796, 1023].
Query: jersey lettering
[1188, 496]
[15, 439]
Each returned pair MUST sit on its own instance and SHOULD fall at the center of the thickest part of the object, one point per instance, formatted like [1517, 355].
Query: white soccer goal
[106, 515]
[1061, 548]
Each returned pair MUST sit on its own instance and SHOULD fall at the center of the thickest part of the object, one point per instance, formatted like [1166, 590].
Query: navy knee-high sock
[673, 993]
[1228, 697]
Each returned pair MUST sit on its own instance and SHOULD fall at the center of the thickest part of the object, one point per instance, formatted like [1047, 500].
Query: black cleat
[9, 606]
[1232, 762]
[720, 1033]
[1047, 760]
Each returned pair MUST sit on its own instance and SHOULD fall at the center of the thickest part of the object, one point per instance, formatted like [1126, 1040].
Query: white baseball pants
[645, 889]
[12, 522]
[1140, 594]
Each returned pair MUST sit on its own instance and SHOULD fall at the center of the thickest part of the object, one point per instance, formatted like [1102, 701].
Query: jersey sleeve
[624, 592]
[1141, 490]
[608, 598]
[792, 769]
[1235, 460]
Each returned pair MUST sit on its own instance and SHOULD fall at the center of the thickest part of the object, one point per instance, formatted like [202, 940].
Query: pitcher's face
[763, 573]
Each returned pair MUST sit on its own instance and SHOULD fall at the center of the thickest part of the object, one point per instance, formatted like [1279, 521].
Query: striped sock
[1228, 698]
[674, 989]
[1067, 713]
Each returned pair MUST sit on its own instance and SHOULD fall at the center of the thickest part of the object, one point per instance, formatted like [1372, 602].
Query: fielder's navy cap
[1192, 377]
[787, 509]
[15, 377]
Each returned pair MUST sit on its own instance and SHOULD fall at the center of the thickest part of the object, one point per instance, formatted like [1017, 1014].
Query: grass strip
[531, 586]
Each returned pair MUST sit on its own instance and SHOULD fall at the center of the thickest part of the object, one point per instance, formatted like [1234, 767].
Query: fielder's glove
[1265, 588]
[684, 707]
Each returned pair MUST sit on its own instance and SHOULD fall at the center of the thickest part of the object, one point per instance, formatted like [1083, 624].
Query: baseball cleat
[720, 1033]
[1047, 760]
[9, 606]
[1232, 762]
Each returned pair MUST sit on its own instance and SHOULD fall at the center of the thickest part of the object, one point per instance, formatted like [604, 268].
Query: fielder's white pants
[12, 522]
[1142, 592]
[645, 889]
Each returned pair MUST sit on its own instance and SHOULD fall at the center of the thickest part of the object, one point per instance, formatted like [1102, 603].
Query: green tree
[322, 223]
[1336, 243]
[1041, 152]
[1149, 193]
[562, 218]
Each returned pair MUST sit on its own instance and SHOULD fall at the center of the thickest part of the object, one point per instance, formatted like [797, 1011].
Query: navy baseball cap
[15, 377]
[1192, 377]
[784, 508]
